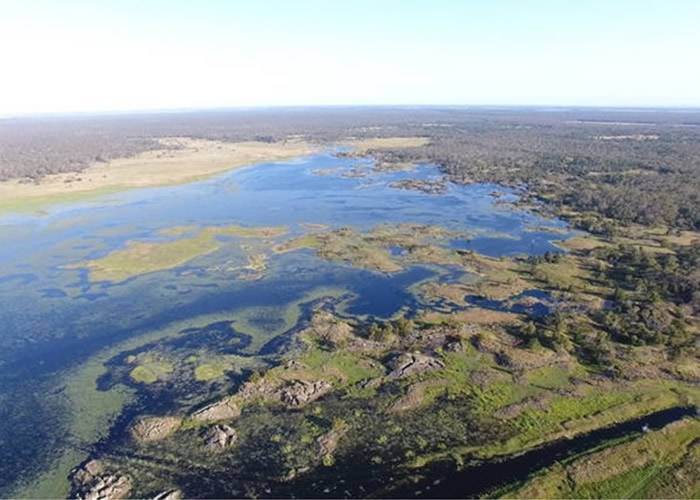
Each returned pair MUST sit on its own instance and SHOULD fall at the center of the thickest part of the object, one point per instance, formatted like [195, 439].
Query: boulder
[92, 482]
[87, 472]
[454, 346]
[408, 364]
[148, 429]
[300, 392]
[225, 409]
[219, 437]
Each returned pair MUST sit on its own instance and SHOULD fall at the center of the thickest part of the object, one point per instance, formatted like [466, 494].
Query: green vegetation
[209, 371]
[645, 467]
[38, 204]
[373, 249]
[263, 323]
[139, 257]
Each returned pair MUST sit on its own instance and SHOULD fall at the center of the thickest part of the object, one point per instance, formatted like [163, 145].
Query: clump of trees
[547, 257]
[649, 277]
[385, 331]
[653, 294]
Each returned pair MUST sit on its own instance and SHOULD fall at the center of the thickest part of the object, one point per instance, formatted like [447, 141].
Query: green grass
[646, 466]
[630, 484]
[599, 407]
[151, 371]
[209, 371]
[549, 377]
[140, 257]
[498, 395]
[38, 204]
[346, 367]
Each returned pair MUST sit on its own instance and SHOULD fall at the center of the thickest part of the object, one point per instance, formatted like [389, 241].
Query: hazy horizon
[281, 107]
[97, 57]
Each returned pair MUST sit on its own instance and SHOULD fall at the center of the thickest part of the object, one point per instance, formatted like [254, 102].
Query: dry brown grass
[474, 315]
[195, 159]
[582, 243]
[362, 146]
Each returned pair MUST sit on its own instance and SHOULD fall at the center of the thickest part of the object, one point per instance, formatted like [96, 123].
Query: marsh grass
[142, 257]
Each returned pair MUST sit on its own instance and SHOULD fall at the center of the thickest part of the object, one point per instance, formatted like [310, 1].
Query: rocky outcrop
[219, 437]
[225, 409]
[329, 330]
[408, 364]
[328, 442]
[301, 392]
[262, 389]
[92, 482]
[413, 398]
[454, 345]
[148, 429]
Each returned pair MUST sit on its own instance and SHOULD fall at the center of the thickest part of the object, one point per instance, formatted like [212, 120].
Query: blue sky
[60, 56]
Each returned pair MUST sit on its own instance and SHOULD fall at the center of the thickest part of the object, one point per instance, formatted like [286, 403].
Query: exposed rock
[454, 346]
[329, 329]
[407, 364]
[300, 392]
[148, 429]
[413, 397]
[328, 442]
[92, 482]
[370, 383]
[259, 389]
[219, 437]
[225, 409]
[174, 494]
[87, 472]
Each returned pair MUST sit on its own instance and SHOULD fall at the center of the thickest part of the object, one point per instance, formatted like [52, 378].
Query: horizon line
[261, 107]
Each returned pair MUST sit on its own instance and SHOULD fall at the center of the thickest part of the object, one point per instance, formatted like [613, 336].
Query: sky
[96, 55]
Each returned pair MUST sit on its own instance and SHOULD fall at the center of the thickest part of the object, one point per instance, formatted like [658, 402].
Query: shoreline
[181, 160]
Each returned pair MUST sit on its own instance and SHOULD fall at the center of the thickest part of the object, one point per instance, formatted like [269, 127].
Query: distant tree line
[612, 165]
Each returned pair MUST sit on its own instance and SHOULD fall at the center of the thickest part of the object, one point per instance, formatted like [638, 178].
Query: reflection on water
[55, 318]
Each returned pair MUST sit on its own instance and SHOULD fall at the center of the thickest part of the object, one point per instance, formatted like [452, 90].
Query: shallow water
[55, 319]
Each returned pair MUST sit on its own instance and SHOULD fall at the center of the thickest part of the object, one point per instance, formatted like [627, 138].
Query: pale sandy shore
[362, 146]
[194, 159]
[190, 160]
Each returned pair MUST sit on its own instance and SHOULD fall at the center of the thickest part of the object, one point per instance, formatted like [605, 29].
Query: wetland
[328, 325]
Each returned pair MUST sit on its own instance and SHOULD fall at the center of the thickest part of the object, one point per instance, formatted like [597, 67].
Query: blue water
[281, 194]
[53, 317]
